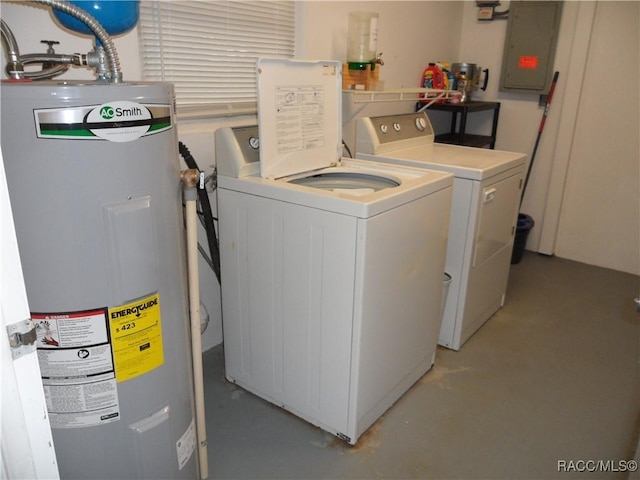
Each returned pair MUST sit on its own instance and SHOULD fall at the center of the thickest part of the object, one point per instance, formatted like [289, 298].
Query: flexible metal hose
[47, 73]
[14, 51]
[96, 28]
[73, 59]
[15, 68]
[62, 64]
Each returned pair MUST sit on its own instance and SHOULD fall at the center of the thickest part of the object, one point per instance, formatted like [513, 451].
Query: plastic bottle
[461, 85]
[433, 77]
[363, 40]
[452, 80]
[444, 67]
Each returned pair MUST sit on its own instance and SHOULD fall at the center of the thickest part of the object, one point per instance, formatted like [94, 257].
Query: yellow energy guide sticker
[136, 337]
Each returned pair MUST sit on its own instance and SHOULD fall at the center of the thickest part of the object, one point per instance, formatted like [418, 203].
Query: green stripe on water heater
[87, 133]
[160, 126]
[66, 133]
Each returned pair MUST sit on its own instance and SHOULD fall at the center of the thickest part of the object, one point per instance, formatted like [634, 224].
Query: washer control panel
[238, 151]
[394, 128]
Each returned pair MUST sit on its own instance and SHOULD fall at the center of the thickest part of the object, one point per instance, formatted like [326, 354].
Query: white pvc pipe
[196, 340]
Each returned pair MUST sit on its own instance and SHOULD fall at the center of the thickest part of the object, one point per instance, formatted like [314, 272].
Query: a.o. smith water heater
[94, 182]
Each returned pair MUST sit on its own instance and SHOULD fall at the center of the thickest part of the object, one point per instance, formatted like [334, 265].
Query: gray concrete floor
[552, 377]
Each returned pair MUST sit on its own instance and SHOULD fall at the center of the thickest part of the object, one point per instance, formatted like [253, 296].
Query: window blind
[208, 49]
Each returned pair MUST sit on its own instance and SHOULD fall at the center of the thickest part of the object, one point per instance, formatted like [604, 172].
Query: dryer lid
[299, 115]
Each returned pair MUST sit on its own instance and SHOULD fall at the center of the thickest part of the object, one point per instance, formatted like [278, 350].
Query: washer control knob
[254, 142]
[384, 128]
[421, 124]
[396, 126]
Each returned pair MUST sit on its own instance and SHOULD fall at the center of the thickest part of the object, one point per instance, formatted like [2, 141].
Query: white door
[25, 439]
[593, 204]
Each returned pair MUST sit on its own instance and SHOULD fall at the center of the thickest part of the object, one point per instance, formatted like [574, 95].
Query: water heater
[94, 183]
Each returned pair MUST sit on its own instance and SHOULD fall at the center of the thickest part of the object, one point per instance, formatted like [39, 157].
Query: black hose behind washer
[205, 205]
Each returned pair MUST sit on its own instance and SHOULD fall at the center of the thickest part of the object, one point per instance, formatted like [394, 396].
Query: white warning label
[76, 363]
[186, 445]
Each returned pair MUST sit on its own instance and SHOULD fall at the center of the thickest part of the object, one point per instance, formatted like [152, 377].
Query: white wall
[599, 219]
[411, 34]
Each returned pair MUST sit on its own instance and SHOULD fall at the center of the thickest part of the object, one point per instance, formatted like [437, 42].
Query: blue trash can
[524, 226]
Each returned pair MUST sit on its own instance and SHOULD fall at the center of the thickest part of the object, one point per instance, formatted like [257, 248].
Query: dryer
[331, 268]
[486, 200]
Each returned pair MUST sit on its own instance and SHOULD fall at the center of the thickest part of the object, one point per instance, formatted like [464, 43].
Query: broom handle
[540, 129]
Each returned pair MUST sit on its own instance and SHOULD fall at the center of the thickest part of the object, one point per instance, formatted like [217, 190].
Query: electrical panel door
[529, 50]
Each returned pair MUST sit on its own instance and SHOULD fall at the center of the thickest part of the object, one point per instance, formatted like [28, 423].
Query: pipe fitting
[190, 177]
[97, 60]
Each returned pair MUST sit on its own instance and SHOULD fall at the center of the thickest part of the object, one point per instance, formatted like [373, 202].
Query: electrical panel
[530, 46]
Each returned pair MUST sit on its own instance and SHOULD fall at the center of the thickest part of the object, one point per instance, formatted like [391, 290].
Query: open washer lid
[299, 115]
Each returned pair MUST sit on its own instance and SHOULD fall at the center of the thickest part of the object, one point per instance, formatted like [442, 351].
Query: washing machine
[331, 268]
[486, 200]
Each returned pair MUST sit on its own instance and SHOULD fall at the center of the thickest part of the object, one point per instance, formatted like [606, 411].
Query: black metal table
[461, 137]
